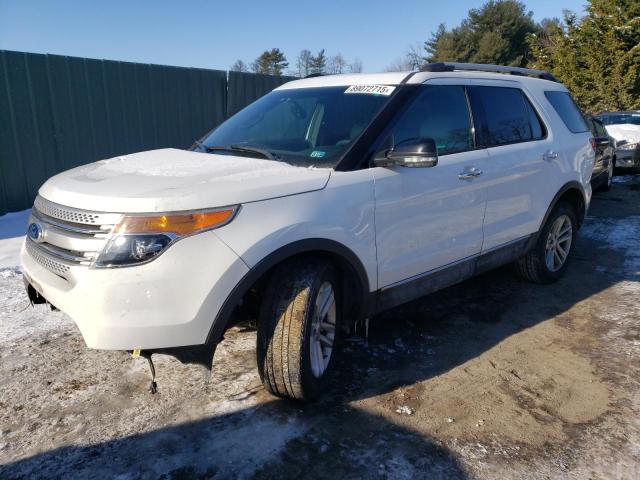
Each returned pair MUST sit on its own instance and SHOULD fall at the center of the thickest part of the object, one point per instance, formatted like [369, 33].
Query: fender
[287, 251]
[572, 185]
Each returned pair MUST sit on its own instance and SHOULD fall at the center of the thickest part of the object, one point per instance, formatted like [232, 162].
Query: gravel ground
[493, 378]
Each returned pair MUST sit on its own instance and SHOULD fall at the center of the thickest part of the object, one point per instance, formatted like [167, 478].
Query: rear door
[427, 218]
[522, 160]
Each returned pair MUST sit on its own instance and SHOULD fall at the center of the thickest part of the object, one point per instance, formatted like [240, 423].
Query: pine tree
[598, 56]
[318, 63]
[271, 62]
[494, 33]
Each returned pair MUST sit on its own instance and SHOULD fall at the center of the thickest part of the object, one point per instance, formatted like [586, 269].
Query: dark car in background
[602, 175]
[624, 129]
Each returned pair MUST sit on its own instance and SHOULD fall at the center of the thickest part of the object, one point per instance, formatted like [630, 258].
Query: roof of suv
[415, 77]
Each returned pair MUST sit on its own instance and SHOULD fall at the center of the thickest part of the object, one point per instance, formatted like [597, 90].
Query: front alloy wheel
[323, 329]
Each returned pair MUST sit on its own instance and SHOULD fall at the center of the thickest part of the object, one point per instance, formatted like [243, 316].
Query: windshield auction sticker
[385, 90]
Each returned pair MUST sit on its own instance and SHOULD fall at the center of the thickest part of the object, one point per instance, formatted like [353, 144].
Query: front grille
[70, 236]
[46, 261]
[73, 215]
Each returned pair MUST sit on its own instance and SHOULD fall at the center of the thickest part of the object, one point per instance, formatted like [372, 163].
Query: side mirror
[416, 153]
[602, 141]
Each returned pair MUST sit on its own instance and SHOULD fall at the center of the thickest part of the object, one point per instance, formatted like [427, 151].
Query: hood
[628, 132]
[172, 180]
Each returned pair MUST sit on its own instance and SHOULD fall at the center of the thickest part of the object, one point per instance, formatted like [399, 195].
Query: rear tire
[606, 185]
[548, 259]
[298, 329]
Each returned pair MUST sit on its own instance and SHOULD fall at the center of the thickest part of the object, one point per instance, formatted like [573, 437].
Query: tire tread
[286, 301]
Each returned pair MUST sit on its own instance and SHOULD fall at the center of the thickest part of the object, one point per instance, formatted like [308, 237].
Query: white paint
[171, 180]
[399, 222]
[627, 132]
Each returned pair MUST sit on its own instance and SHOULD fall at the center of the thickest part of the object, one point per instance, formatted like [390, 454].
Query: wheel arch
[573, 193]
[347, 262]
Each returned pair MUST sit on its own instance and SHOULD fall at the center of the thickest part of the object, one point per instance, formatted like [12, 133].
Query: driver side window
[439, 112]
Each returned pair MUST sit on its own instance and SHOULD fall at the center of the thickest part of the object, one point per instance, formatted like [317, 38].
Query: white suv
[326, 201]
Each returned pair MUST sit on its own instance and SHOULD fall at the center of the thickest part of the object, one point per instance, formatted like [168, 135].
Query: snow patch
[18, 319]
[620, 234]
[623, 179]
[12, 229]
[177, 163]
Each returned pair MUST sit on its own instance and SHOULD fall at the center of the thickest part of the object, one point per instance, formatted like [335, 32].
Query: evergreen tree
[598, 56]
[494, 33]
[271, 62]
[318, 63]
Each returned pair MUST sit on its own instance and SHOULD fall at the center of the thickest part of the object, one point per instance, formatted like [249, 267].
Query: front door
[427, 218]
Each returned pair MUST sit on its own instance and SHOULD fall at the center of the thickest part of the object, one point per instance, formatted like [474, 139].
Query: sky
[215, 34]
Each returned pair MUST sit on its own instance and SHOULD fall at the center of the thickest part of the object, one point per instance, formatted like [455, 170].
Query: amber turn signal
[178, 223]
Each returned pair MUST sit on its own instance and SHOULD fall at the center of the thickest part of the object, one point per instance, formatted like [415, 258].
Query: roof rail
[480, 67]
[312, 75]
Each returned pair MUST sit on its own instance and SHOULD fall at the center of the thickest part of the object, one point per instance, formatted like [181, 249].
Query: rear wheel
[609, 181]
[298, 329]
[548, 259]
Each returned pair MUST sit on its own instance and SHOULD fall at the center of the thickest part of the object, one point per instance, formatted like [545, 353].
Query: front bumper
[627, 158]
[168, 302]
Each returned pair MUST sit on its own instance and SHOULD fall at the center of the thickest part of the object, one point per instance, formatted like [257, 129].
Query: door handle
[549, 155]
[470, 173]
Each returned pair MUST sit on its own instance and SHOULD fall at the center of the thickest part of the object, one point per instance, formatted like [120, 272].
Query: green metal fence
[59, 112]
[244, 88]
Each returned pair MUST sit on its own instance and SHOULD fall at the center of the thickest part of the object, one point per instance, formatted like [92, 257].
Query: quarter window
[439, 112]
[503, 115]
[568, 111]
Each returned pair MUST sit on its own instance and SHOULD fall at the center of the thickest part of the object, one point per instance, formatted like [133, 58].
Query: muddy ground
[494, 378]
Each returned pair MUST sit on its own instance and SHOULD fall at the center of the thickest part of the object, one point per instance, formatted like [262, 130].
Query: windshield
[302, 126]
[620, 118]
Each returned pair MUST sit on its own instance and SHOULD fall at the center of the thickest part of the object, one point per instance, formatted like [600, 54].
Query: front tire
[298, 329]
[548, 259]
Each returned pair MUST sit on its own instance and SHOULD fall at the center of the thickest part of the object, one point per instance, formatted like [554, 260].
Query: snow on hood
[171, 180]
[628, 132]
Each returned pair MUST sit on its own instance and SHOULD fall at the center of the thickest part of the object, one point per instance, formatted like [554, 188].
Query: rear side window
[600, 131]
[503, 115]
[439, 112]
[569, 112]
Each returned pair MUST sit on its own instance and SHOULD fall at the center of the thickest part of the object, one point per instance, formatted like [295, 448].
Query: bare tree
[337, 64]
[415, 56]
[303, 63]
[413, 59]
[400, 64]
[356, 66]
[239, 66]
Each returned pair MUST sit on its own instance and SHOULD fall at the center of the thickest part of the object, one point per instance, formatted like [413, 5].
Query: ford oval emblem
[35, 232]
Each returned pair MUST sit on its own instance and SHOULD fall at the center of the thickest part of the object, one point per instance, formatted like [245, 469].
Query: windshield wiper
[199, 144]
[242, 148]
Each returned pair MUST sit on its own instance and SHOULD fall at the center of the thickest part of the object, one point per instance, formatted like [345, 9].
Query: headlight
[140, 238]
[628, 146]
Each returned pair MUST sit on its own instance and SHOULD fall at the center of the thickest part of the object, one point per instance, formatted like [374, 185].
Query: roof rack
[313, 75]
[480, 67]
